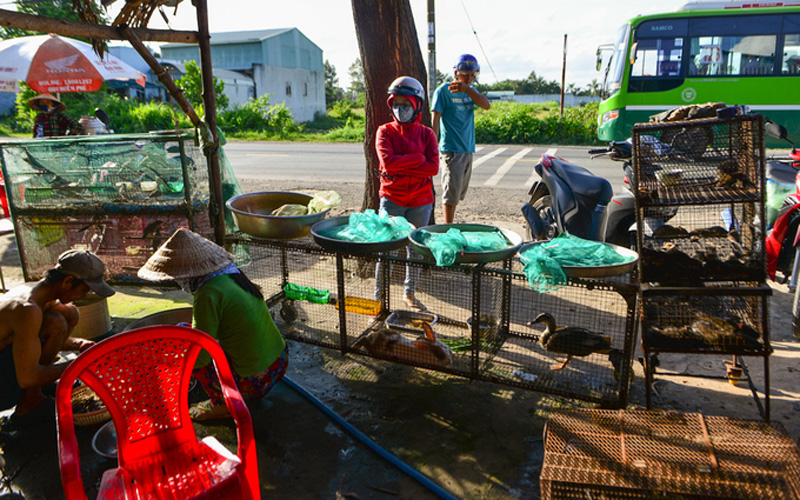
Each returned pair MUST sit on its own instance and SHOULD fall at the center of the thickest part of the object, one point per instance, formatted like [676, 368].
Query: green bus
[739, 53]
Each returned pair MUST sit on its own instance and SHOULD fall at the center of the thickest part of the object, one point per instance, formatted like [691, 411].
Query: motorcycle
[571, 199]
[782, 244]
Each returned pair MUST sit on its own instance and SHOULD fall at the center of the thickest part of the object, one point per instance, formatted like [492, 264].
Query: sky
[514, 37]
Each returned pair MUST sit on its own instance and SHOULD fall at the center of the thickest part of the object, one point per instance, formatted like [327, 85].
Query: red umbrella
[49, 63]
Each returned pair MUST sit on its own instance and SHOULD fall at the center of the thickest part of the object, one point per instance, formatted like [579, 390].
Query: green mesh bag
[370, 227]
[543, 262]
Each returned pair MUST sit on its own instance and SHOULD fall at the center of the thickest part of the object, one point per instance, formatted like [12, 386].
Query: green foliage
[356, 74]
[270, 121]
[54, 9]
[333, 93]
[126, 116]
[342, 110]
[518, 124]
[192, 85]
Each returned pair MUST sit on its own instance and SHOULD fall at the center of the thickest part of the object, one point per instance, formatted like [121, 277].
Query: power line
[479, 42]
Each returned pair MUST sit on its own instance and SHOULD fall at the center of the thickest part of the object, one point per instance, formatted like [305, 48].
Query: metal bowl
[168, 317]
[514, 241]
[104, 441]
[591, 272]
[252, 213]
[351, 247]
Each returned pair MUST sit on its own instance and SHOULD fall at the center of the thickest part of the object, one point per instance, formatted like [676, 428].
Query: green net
[368, 227]
[119, 196]
[544, 261]
[445, 247]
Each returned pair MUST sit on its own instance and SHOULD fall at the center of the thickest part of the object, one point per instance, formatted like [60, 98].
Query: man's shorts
[10, 391]
[456, 171]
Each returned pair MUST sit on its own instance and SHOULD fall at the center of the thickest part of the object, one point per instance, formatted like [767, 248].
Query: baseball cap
[87, 267]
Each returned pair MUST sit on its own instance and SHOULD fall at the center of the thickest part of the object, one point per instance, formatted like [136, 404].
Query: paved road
[505, 167]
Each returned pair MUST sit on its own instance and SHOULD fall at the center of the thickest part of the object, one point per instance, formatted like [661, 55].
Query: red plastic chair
[143, 378]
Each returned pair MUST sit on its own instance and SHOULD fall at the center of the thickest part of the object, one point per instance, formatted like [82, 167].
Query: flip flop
[204, 410]
[414, 304]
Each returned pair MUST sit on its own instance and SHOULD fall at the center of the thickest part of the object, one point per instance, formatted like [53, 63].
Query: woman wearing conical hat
[51, 120]
[230, 308]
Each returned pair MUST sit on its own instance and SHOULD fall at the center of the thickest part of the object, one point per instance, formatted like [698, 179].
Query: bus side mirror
[633, 51]
[599, 63]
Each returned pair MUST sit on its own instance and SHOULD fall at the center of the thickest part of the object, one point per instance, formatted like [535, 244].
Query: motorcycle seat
[582, 181]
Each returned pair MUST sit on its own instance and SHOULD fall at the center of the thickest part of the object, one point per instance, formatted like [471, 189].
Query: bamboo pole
[210, 104]
[161, 73]
[64, 27]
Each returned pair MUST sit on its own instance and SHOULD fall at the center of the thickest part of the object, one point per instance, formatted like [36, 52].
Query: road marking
[265, 154]
[534, 176]
[485, 157]
[478, 149]
[505, 167]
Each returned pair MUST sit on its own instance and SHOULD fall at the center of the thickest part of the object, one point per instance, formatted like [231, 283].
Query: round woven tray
[80, 394]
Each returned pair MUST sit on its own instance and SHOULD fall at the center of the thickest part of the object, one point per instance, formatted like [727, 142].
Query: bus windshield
[745, 55]
[616, 66]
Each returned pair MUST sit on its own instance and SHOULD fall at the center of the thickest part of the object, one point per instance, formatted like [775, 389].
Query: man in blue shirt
[454, 116]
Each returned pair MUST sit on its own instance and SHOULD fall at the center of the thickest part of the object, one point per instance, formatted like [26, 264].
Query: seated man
[36, 323]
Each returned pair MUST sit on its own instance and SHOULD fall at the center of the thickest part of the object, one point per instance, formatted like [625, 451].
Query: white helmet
[408, 86]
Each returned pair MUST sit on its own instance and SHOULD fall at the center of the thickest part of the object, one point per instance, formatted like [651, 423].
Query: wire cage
[653, 454]
[478, 316]
[726, 320]
[119, 196]
[699, 161]
[699, 243]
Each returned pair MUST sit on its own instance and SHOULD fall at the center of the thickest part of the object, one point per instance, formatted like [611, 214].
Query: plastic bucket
[94, 320]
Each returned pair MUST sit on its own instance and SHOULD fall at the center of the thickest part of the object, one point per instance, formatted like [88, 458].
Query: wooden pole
[42, 24]
[161, 73]
[210, 104]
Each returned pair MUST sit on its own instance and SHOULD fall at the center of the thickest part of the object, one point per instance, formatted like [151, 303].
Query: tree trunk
[387, 41]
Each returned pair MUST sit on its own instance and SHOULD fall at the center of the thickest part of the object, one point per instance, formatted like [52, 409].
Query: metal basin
[514, 242]
[350, 247]
[168, 317]
[252, 211]
[591, 272]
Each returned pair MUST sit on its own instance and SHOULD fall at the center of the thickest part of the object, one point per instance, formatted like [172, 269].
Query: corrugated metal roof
[237, 37]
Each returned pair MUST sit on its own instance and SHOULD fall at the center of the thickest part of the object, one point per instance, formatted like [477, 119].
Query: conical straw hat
[184, 255]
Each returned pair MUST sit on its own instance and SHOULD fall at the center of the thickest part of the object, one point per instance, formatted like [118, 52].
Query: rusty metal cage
[119, 196]
[653, 454]
[708, 320]
[709, 242]
[482, 314]
[699, 161]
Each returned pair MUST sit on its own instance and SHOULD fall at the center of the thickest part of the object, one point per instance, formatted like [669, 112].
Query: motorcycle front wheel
[545, 211]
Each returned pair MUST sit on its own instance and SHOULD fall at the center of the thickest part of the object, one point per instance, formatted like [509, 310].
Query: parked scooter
[782, 244]
[571, 199]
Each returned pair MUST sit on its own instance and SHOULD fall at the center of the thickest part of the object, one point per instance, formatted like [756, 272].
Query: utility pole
[431, 49]
[563, 74]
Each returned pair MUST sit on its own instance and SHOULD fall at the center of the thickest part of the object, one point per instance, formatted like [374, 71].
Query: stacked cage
[700, 216]
[119, 196]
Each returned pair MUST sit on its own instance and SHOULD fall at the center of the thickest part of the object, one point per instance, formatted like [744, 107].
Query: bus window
[732, 55]
[657, 57]
[791, 55]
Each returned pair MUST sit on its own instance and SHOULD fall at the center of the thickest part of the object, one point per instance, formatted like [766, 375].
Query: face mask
[404, 114]
[44, 107]
[185, 285]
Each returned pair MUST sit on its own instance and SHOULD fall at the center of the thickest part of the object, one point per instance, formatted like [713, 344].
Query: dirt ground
[475, 440]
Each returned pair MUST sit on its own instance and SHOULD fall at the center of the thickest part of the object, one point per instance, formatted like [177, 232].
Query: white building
[281, 62]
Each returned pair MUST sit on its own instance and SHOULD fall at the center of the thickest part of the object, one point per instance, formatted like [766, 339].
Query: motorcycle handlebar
[598, 151]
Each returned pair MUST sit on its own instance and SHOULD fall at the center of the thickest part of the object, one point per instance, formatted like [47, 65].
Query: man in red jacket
[409, 158]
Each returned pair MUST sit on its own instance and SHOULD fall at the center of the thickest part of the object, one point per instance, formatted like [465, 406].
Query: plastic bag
[290, 210]
[323, 201]
[371, 227]
[485, 241]
[444, 246]
[544, 261]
